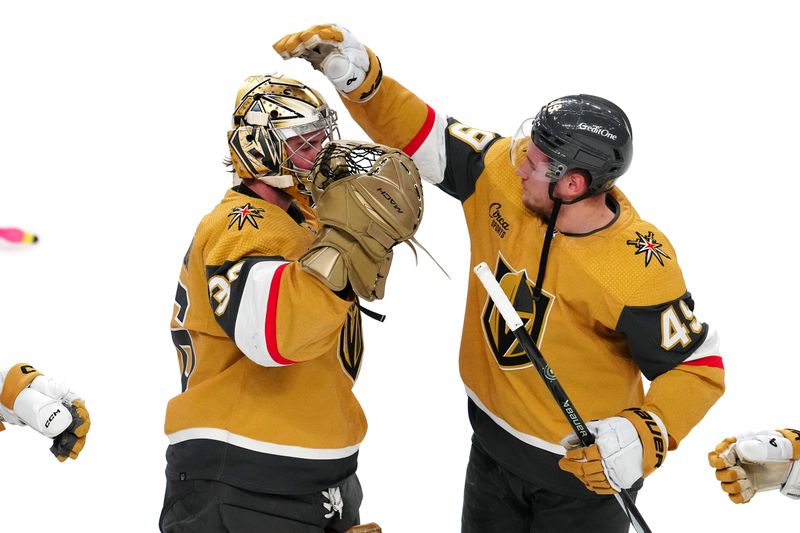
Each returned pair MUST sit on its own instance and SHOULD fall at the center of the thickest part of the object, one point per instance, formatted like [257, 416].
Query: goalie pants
[497, 501]
[203, 506]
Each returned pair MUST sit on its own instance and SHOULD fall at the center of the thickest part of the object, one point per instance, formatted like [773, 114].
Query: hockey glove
[755, 462]
[627, 447]
[30, 399]
[352, 67]
[372, 527]
[368, 198]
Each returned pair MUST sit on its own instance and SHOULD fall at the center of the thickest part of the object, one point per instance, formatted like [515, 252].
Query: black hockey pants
[200, 506]
[497, 501]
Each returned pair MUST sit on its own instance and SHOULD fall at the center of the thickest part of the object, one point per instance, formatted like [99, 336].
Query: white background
[113, 121]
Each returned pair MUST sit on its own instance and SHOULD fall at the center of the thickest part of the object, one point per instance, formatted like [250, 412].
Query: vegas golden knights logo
[351, 345]
[519, 289]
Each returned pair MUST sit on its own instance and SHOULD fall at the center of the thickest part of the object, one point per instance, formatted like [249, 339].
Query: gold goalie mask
[279, 125]
[368, 198]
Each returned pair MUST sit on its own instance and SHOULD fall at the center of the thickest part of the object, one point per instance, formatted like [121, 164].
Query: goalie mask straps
[372, 314]
[548, 238]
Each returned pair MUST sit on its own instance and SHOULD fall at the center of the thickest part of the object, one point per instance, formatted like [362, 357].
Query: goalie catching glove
[30, 399]
[627, 447]
[352, 67]
[368, 198]
[755, 462]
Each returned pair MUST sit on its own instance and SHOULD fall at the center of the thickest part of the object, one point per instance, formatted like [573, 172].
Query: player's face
[303, 149]
[535, 184]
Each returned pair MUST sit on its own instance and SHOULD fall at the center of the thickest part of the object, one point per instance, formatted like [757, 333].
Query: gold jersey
[614, 304]
[268, 356]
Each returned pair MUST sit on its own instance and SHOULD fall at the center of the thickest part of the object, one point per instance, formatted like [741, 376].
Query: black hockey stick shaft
[514, 322]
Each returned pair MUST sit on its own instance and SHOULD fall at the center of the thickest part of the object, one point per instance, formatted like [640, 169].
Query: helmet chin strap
[281, 181]
[548, 238]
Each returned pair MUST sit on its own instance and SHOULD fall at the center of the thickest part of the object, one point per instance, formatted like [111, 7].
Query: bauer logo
[597, 130]
[499, 224]
[534, 313]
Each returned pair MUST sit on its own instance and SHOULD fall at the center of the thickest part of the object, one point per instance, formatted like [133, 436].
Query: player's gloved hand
[368, 198]
[46, 405]
[758, 461]
[352, 67]
[627, 447]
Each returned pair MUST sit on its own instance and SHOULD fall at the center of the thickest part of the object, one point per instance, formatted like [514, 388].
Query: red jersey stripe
[711, 360]
[412, 147]
[270, 324]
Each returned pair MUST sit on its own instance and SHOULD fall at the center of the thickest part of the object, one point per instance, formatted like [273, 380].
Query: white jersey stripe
[222, 435]
[249, 331]
[430, 157]
[524, 437]
[710, 346]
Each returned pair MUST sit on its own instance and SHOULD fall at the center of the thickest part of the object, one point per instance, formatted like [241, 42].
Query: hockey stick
[514, 323]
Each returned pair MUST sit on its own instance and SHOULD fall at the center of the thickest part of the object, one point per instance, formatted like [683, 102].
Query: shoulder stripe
[271, 320]
[412, 147]
[707, 354]
[713, 360]
[255, 329]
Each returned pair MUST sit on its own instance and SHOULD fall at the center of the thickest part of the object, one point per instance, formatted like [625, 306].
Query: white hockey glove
[627, 447]
[352, 67]
[30, 399]
[758, 461]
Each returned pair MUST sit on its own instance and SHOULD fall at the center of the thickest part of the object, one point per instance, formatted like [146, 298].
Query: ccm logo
[47, 424]
[655, 431]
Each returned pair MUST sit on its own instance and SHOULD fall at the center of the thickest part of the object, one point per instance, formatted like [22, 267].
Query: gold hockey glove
[70, 442]
[49, 407]
[758, 461]
[352, 67]
[372, 527]
[627, 447]
[368, 198]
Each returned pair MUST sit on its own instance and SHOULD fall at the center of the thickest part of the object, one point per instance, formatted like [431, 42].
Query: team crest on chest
[647, 244]
[243, 215]
[519, 289]
[351, 344]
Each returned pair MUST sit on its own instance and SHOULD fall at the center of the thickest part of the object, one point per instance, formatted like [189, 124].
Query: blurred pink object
[17, 235]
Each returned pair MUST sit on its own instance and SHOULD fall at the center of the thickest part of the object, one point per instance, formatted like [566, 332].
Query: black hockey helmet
[585, 132]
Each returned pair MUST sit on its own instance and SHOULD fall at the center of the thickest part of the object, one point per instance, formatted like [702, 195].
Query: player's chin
[536, 207]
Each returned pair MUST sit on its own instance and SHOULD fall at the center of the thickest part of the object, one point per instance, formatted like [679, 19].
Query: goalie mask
[580, 132]
[279, 125]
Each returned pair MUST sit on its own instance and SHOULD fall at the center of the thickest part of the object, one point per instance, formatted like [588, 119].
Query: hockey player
[265, 435]
[601, 290]
[758, 461]
[30, 399]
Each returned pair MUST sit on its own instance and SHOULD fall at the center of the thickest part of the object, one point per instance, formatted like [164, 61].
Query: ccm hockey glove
[627, 447]
[30, 399]
[755, 462]
[368, 198]
[352, 67]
